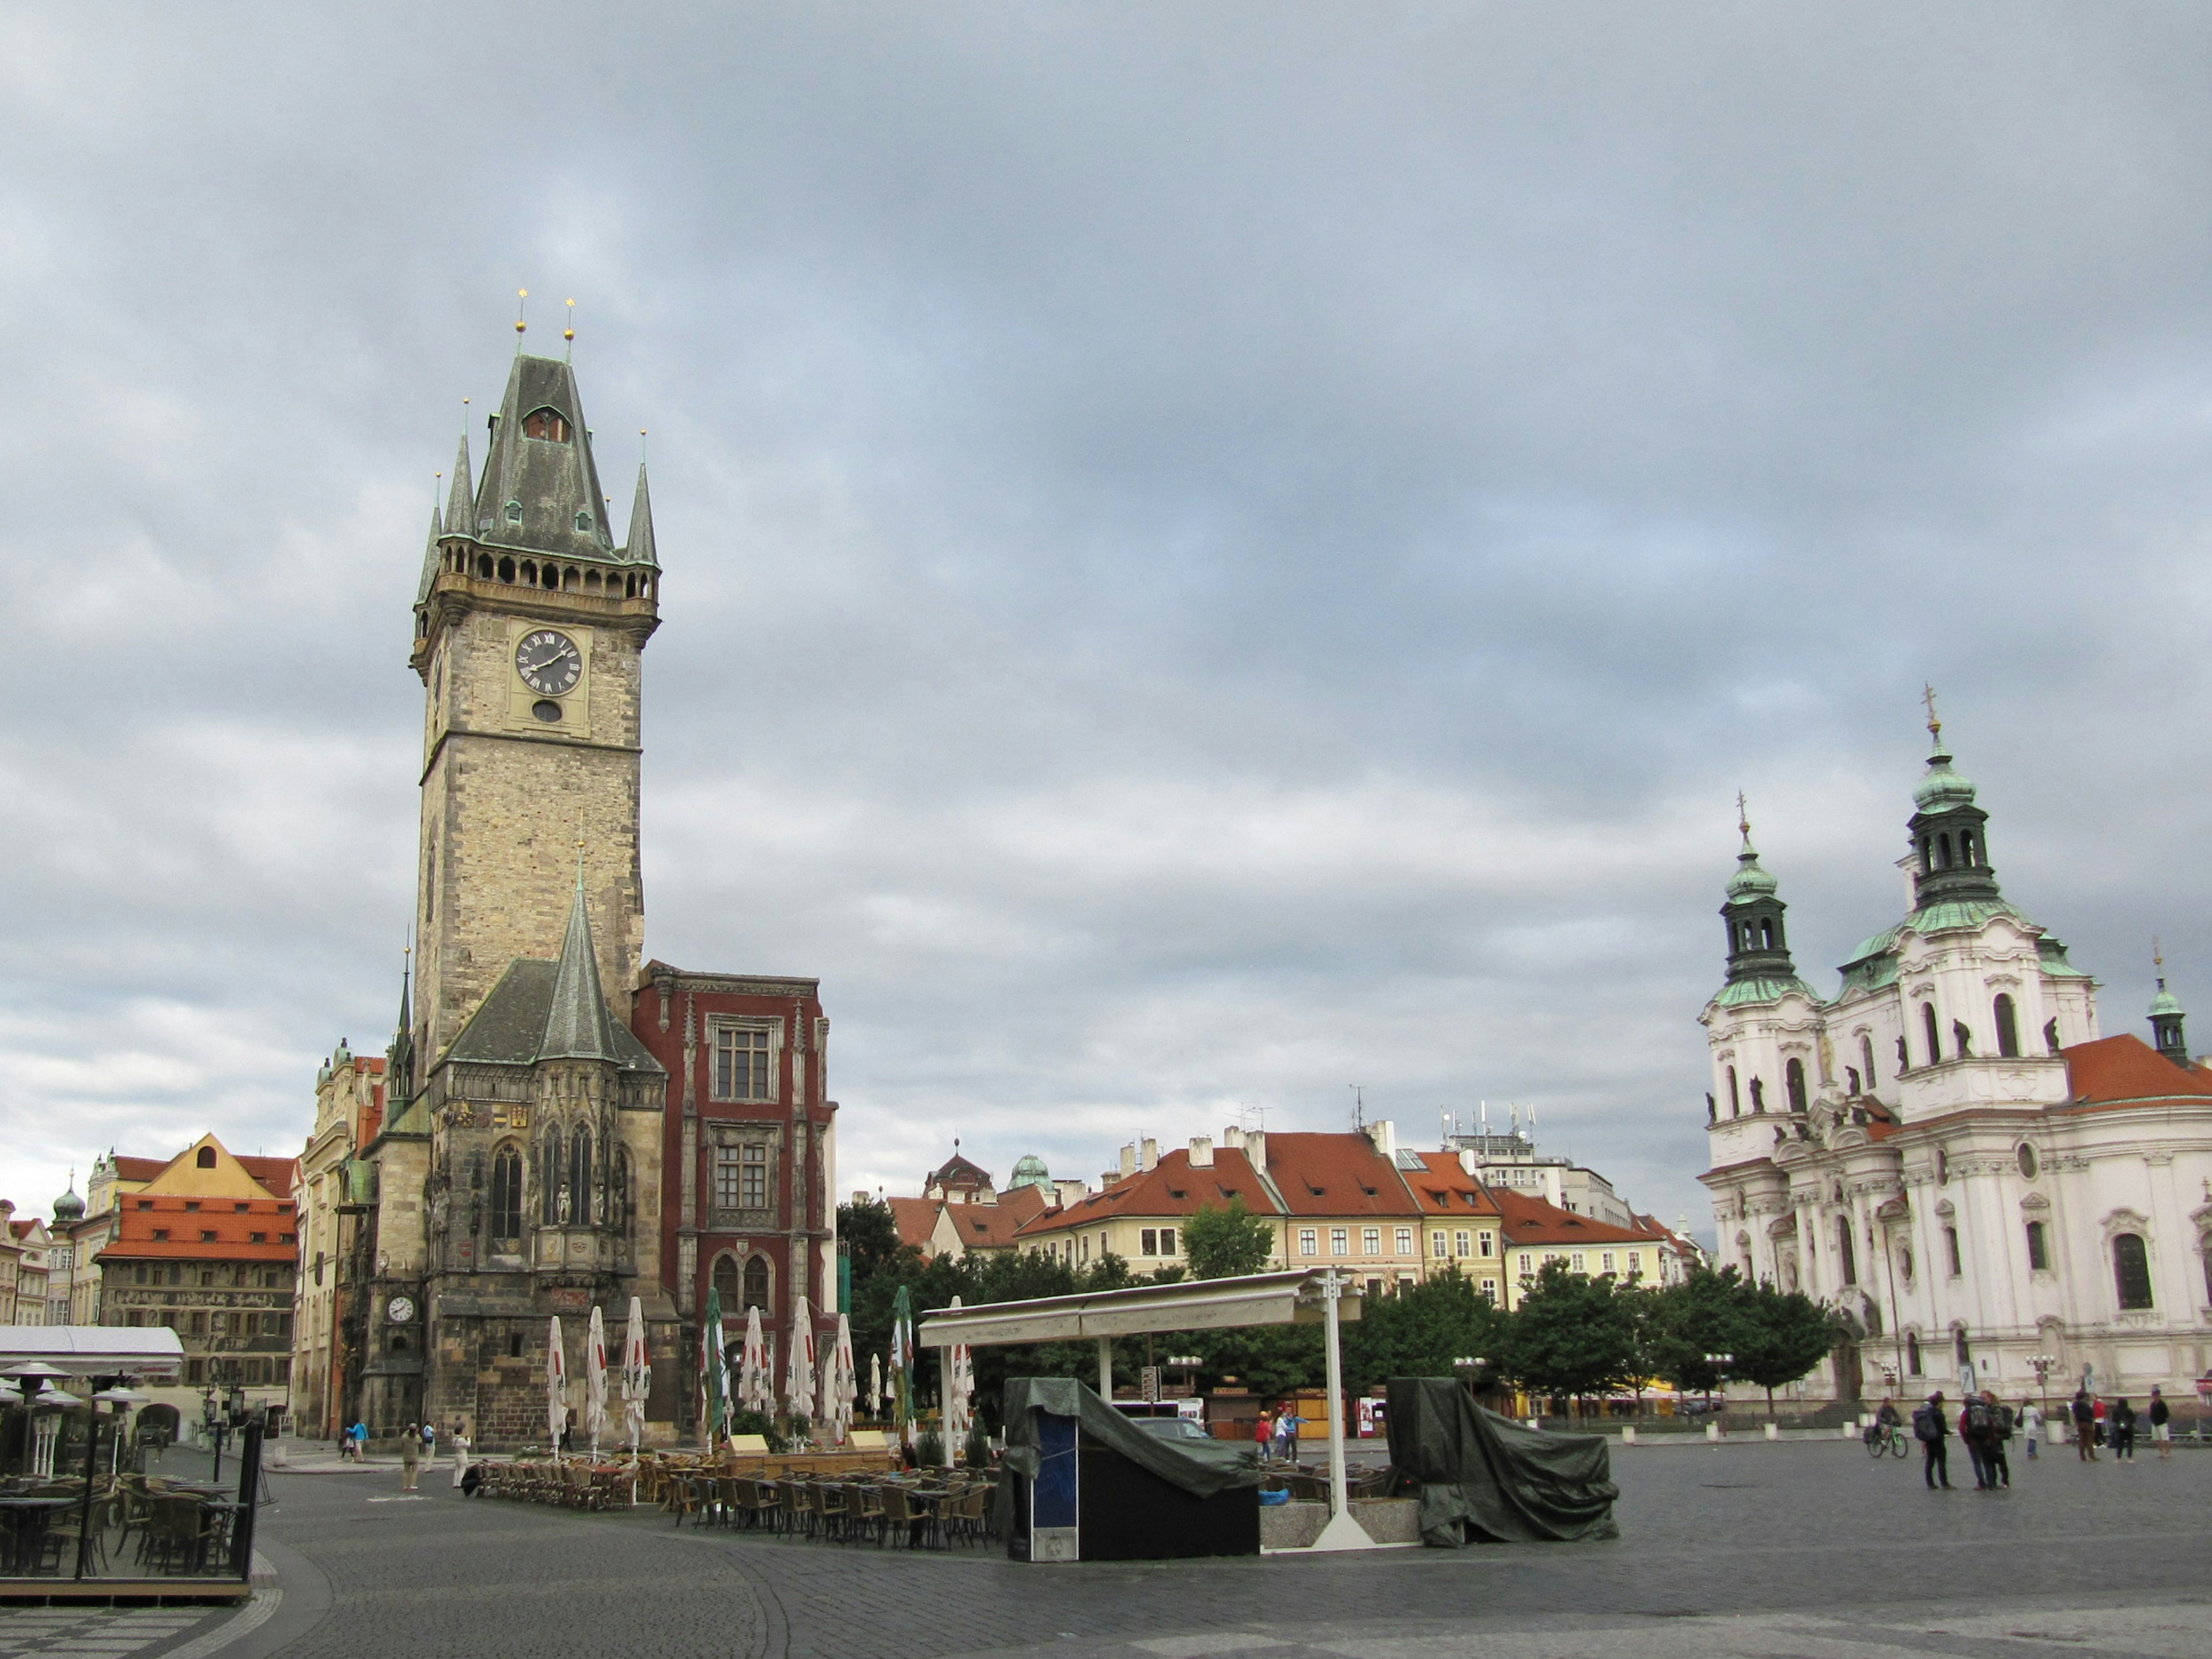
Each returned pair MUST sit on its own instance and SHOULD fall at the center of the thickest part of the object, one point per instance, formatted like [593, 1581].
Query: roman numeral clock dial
[550, 665]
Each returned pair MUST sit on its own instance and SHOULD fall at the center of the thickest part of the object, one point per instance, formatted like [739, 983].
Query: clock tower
[529, 630]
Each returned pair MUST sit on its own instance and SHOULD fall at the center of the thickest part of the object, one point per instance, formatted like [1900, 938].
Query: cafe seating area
[137, 1524]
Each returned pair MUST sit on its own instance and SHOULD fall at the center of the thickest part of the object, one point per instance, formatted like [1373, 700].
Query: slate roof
[551, 481]
[509, 1026]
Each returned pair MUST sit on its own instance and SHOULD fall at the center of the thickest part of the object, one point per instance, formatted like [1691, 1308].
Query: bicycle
[1879, 1439]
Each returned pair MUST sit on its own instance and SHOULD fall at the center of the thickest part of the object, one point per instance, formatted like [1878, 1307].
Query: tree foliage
[1573, 1334]
[1224, 1240]
[1421, 1331]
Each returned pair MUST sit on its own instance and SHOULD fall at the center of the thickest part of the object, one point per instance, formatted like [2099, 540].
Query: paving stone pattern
[1804, 1549]
[96, 1632]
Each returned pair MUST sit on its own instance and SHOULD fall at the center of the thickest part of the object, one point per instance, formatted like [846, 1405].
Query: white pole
[1106, 1367]
[1342, 1532]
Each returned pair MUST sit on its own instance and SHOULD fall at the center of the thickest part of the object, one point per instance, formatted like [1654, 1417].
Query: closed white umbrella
[959, 1382]
[875, 1385]
[799, 1365]
[754, 1391]
[637, 1373]
[844, 1384]
[556, 1385]
[595, 1380]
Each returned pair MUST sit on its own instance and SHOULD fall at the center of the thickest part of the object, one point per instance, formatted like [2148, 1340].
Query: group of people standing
[418, 1445]
[1985, 1427]
[1277, 1434]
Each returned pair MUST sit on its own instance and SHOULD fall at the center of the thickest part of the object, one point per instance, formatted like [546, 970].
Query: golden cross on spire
[1743, 819]
[1935, 725]
[2157, 960]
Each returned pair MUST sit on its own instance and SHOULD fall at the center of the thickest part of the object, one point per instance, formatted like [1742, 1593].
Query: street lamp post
[1718, 1364]
[2045, 1364]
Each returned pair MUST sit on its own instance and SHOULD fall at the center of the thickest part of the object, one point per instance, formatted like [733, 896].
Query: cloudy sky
[1215, 553]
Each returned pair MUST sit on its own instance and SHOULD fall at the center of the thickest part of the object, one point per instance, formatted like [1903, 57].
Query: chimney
[1148, 1153]
[1070, 1192]
[1233, 1137]
[1108, 1177]
[1384, 1134]
[1202, 1151]
[1255, 1149]
[1128, 1160]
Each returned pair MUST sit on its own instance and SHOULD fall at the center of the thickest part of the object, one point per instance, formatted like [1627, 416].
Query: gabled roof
[993, 1226]
[510, 1025]
[1172, 1189]
[917, 1220]
[2123, 1070]
[1531, 1221]
[1336, 1174]
[1441, 1187]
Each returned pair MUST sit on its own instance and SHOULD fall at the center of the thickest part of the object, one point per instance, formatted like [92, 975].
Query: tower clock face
[400, 1309]
[549, 663]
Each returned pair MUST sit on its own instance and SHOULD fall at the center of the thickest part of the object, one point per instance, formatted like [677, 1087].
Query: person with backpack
[1974, 1428]
[1995, 1459]
[2084, 1426]
[1931, 1430]
[2122, 1419]
[2162, 1425]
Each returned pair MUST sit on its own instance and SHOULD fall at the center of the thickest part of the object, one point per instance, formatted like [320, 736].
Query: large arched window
[726, 1284]
[2131, 1270]
[549, 1160]
[756, 1283]
[1735, 1100]
[506, 1195]
[1794, 1081]
[1912, 1354]
[1845, 1251]
[579, 1178]
[1934, 1042]
[2007, 1027]
[1866, 1053]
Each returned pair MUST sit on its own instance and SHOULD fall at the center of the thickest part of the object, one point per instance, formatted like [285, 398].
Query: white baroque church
[1947, 1150]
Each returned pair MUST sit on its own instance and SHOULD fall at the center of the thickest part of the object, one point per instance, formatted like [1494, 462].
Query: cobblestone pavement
[1802, 1549]
[68, 1633]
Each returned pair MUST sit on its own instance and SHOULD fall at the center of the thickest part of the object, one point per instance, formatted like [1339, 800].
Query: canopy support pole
[1106, 1368]
[1342, 1532]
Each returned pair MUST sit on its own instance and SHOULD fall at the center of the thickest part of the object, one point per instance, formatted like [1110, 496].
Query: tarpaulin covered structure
[1486, 1479]
[1080, 1482]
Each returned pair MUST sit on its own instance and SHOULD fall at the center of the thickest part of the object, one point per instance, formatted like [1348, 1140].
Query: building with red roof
[1948, 1151]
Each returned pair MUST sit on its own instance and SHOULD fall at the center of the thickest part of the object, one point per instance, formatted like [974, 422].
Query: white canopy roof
[1197, 1304]
[95, 1350]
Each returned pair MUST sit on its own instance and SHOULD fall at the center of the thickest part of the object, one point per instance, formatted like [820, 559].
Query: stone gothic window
[725, 1284]
[2131, 1271]
[756, 1283]
[549, 1182]
[579, 1178]
[2008, 1028]
[506, 1196]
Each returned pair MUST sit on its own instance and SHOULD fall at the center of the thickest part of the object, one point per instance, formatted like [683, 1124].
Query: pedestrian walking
[2031, 1425]
[2121, 1420]
[2084, 1426]
[1264, 1433]
[411, 1455]
[1929, 1428]
[2162, 1425]
[360, 1434]
[460, 1452]
[1974, 1435]
[429, 1443]
[2103, 1414]
[1995, 1461]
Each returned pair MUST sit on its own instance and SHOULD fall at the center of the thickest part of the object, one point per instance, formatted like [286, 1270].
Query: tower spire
[1758, 947]
[577, 1023]
[2165, 1014]
[639, 549]
[1949, 831]
[460, 503]
[400, 1058]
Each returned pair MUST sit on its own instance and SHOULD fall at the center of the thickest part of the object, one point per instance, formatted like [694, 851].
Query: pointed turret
[460, 501]
[577, 1025]
[399, 1058]
[1950, 840]
[540, 491]
[2166, 1017]
[431, 558]
[1758, 948]
[638, 548]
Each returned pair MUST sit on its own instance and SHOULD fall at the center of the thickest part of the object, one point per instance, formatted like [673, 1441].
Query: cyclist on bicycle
[1887, 1416]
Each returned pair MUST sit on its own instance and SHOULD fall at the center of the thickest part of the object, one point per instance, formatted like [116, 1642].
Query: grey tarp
[1198, 1467]
[1486, 1476]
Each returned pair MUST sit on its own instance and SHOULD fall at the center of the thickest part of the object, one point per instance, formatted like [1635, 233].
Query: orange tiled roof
[1528, 1220]
[1170, 1188]
[279, 1174]
[2121, 1070]
[993, 1226]
[1336, 1174]
[916, 1220]
[1449, 1189]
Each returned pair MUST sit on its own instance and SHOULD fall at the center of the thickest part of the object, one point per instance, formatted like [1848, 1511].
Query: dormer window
[514, 512]
[584, 522]
[547, 425]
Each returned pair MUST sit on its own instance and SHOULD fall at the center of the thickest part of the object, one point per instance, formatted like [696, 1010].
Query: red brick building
[750, 1151]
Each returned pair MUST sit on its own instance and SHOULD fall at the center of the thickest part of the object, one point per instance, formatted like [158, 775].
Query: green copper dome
[1749, 881]
[2165, 1002]
[1029, 1171]
[1942, 787]
[68, 1207]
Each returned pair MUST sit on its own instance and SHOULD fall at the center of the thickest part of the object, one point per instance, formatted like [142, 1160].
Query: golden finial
[1935, 725]
[521, 299]
[2157, 960]
[569, 332]
[1743, 820]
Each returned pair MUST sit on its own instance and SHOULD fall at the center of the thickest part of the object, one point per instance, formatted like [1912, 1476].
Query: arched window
[1866, 1053]
[2131, 1270]
[484, 566]
[726, 1284]
[549, 1178]
[1942, 852]
[1927, 1020]
[1951, 1250]
[1735, 1100]
[1794, 1081]
[579, 1178]
[507, 570]
[2007, 1027]
[756, 1283]
[1927, 855]
[1962, 1040]
[1912, 1354]
[206, 1158]
[1844, 1249]
[1766, 934]
[546, 425]
[506, 1195]
[2039, 1249]
[1959, 1352]
[1965, 846]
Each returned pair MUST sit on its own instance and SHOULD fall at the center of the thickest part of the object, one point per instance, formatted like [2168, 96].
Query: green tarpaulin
[1486, 1478]
[1198, 1467]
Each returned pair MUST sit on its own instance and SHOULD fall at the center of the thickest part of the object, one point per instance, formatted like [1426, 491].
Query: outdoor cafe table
[23, 1523]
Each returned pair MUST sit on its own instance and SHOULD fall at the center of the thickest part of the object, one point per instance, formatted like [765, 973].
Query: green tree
[1571, 1335]
[1224, 1240]
[1706, 1313]
[1420, 1331]
[1785, 1335]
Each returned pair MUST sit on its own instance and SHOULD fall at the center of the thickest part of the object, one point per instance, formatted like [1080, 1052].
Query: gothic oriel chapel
[1948, 1151]
[534, 1158]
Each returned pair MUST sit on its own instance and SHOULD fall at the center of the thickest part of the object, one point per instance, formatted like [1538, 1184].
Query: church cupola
[1950, 840]
[1757, 949]
[2166, 1017]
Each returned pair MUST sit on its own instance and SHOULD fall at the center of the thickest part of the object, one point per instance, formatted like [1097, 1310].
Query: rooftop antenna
[569, 334]
[521, 295]
[1358, 1105]
[1482, 1119]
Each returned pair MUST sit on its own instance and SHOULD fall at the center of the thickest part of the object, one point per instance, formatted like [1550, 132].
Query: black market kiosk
[1083, 1483]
